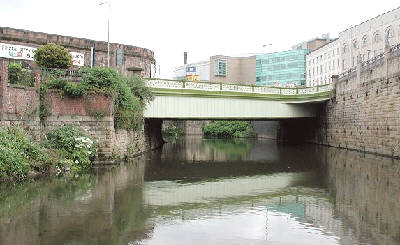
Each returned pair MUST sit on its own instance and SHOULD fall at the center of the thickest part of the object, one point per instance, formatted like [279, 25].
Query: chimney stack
[184, 58]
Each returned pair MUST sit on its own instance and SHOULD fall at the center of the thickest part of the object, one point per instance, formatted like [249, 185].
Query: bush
[19, 75]
[173, 131]
[139, 89]
[14, 72]
[77, 149]
[53, 55]
[228, 129]
[130, 94]
[19, 154]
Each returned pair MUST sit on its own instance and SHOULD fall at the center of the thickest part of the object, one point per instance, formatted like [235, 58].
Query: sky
[202, 28]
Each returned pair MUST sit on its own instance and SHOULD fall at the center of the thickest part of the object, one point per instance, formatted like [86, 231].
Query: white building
[199, 71]
[322, 63]
[366, 40]
[361, 42]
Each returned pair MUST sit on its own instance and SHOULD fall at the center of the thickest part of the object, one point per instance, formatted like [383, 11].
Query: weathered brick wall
[19, 106]
[364, 113]
[133, 56]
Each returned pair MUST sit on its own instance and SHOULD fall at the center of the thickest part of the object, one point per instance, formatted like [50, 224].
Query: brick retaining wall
[19, 106]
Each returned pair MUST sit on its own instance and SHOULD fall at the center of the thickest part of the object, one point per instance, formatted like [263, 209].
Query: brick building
[20, 45]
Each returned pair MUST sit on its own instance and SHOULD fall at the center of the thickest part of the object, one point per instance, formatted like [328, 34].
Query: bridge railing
[236, 88]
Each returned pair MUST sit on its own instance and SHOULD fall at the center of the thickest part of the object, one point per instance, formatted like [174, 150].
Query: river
[208, 191]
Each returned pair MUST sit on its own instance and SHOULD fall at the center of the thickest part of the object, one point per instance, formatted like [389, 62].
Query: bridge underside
[203, 108]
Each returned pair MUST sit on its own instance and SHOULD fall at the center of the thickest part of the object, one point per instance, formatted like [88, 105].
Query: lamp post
[266, 46]
[108, 32]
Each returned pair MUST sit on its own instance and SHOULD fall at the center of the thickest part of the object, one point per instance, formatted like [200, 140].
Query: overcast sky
[202, 28]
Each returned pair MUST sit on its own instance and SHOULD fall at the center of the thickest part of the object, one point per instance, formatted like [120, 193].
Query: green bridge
[205, 100]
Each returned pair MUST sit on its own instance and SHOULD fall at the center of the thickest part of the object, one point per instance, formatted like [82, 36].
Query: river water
[206, 191]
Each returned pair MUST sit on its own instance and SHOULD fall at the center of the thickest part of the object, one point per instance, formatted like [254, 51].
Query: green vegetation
[77, 150]
[234, 148]
[19, 75]
[66, 150]
[173, 131]
[228, 129]
[19, 154]
[129, 94]
[52, 55]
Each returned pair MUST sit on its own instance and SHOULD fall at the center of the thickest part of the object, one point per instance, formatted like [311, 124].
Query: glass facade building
[281, 68]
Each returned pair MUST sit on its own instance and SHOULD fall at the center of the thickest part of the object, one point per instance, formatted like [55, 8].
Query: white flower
[76, 161]
[89, 152]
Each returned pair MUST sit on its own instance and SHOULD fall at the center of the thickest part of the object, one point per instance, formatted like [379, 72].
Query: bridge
[206, 100]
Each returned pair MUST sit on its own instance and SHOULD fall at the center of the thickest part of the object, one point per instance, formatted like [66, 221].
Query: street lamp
[266, 46]
[108, 32]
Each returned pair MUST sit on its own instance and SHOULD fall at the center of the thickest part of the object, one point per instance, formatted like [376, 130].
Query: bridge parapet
[164, 86]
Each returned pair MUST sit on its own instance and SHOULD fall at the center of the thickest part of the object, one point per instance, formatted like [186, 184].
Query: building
[227, 69]
[199, 71]
[285, 68]
[314, 43]
[275, 69]
[367, 40]
[356, 44]
[20, 45]
[322, 63]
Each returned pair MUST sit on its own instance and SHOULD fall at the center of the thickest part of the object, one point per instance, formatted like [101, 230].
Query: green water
[199, 191]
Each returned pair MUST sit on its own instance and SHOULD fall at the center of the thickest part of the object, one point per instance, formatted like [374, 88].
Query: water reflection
[366, 192]
[197, 191]
[99, 208]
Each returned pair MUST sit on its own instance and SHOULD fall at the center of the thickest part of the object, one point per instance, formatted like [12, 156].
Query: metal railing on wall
[373, 62]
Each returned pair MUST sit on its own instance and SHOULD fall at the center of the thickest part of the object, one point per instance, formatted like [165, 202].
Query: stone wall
[263, 129]
[188, 127]
[362, 115]
[136, 59]
[93, 114]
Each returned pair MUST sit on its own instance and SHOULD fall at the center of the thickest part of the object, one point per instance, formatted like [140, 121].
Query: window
[220, 68]
[344, 48]
[355, 44]
[377, 37]
[364, 40]
[389, 32]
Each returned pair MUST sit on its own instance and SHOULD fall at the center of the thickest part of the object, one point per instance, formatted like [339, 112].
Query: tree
[53, 55]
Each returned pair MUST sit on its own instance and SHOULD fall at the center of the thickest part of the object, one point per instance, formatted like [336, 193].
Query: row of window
[278, 67]
[220, 68]
[319, 82]
[376, 37]
[325, 56]
[280, 59]
[330, 66]
[277, 77]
